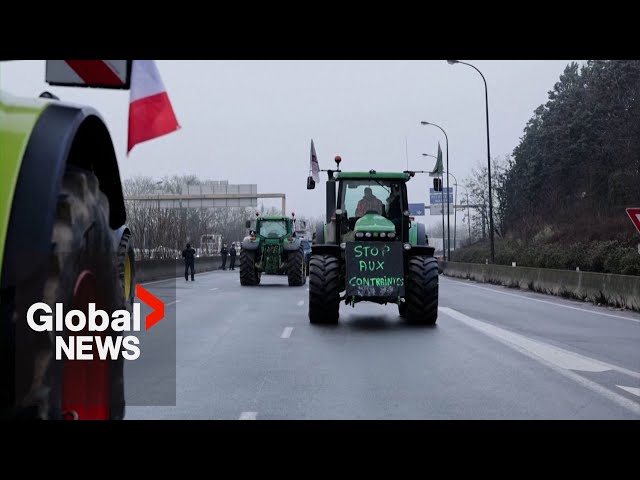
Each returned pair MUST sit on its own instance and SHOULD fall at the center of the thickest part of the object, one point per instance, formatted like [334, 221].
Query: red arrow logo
[154, 302]
[634, 215]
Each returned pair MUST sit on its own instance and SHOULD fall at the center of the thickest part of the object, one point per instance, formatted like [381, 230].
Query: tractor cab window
[364, 196]
[273, 228]
[383, 197]
[359, 197]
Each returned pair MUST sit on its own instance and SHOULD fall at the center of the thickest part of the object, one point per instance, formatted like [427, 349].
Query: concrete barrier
[149, 270]
[615, 290]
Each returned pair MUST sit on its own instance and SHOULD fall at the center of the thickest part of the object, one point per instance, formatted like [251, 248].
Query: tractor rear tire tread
[295, 268]
[324, 289]
[248, 273]
[422, 291]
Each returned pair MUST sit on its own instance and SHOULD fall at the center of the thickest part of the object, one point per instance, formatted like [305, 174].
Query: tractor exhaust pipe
[331, 198]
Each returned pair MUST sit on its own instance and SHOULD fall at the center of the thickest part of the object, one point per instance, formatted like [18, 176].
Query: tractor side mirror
[311, 184]
[437, 184]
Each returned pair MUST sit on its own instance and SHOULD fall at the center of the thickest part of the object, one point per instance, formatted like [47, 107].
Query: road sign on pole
[416, 209]
[634, 215]
[438, 201]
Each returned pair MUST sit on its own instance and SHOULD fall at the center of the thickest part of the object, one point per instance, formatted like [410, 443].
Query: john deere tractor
[63, 240]
[272, 247]
[370, 249]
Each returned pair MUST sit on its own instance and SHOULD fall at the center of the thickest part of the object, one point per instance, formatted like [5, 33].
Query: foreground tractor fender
[60, 139]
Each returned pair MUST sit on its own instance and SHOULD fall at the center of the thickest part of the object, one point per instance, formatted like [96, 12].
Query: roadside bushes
[610, 256]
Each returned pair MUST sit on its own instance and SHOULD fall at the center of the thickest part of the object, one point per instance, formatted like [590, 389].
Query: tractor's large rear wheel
[82, 270]
[422, 291]
[295, 268]
[249, 274]
[324, 289]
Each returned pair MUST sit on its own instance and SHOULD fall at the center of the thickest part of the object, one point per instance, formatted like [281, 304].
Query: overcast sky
[252, 121]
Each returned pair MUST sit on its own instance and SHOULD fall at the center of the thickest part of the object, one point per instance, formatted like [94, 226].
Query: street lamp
[448, 211]
[486, 97]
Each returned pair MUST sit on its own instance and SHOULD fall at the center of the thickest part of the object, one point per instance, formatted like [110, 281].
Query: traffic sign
[634, 215]
[89, 73]
[416, 209]
[440, 197]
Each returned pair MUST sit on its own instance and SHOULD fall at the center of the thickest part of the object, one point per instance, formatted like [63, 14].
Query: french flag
[150, 112]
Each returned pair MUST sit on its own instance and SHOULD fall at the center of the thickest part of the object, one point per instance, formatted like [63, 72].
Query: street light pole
[448, 211]
[486, 97]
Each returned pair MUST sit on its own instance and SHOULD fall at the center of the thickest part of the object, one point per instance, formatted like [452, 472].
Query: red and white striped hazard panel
[88, 73]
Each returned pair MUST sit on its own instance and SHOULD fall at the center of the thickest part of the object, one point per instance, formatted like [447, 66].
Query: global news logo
[87, 331]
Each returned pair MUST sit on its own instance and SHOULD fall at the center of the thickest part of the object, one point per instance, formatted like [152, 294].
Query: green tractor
[63, 239]
[272, 247]
[370, 249]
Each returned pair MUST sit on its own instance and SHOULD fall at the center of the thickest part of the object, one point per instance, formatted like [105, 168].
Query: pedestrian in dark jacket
[232, 255]
[189, 255]
[224, 252]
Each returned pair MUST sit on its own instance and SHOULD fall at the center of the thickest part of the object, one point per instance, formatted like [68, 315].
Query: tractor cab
[373, 206]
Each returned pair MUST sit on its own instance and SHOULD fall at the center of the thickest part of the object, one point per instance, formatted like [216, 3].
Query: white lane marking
[172, 303]
[300, 303]
[248, 415]
[213, 289]
[287, 332]
[550, 303]
[635, 391]
[555, 355]
[561, 361]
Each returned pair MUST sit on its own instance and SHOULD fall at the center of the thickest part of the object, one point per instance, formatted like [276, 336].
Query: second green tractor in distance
[272, 247]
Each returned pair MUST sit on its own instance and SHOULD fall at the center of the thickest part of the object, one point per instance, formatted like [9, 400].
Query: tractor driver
[369, 203]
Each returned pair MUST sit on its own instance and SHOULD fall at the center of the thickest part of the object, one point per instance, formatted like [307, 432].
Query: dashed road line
[248, 416]
[287, 332]
[213, 289]
[171, 303]
[301, 303]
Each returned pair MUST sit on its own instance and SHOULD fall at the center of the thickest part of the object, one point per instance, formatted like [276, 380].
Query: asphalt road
[231, 352]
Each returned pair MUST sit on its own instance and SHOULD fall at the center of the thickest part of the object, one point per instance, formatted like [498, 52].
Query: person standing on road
[224, 253]
[189, 262]
[232, 255]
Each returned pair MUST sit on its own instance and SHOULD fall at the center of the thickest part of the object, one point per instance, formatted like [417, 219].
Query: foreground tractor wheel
[82, 270]
[295, 268]
[422, 291]
[324, 289]
[249, 274]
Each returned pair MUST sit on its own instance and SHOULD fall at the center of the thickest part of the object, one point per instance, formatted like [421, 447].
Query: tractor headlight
[368, 234]
[375, 234]
[391, 235]
[359, 234]
[407, 246]
[383, 235]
